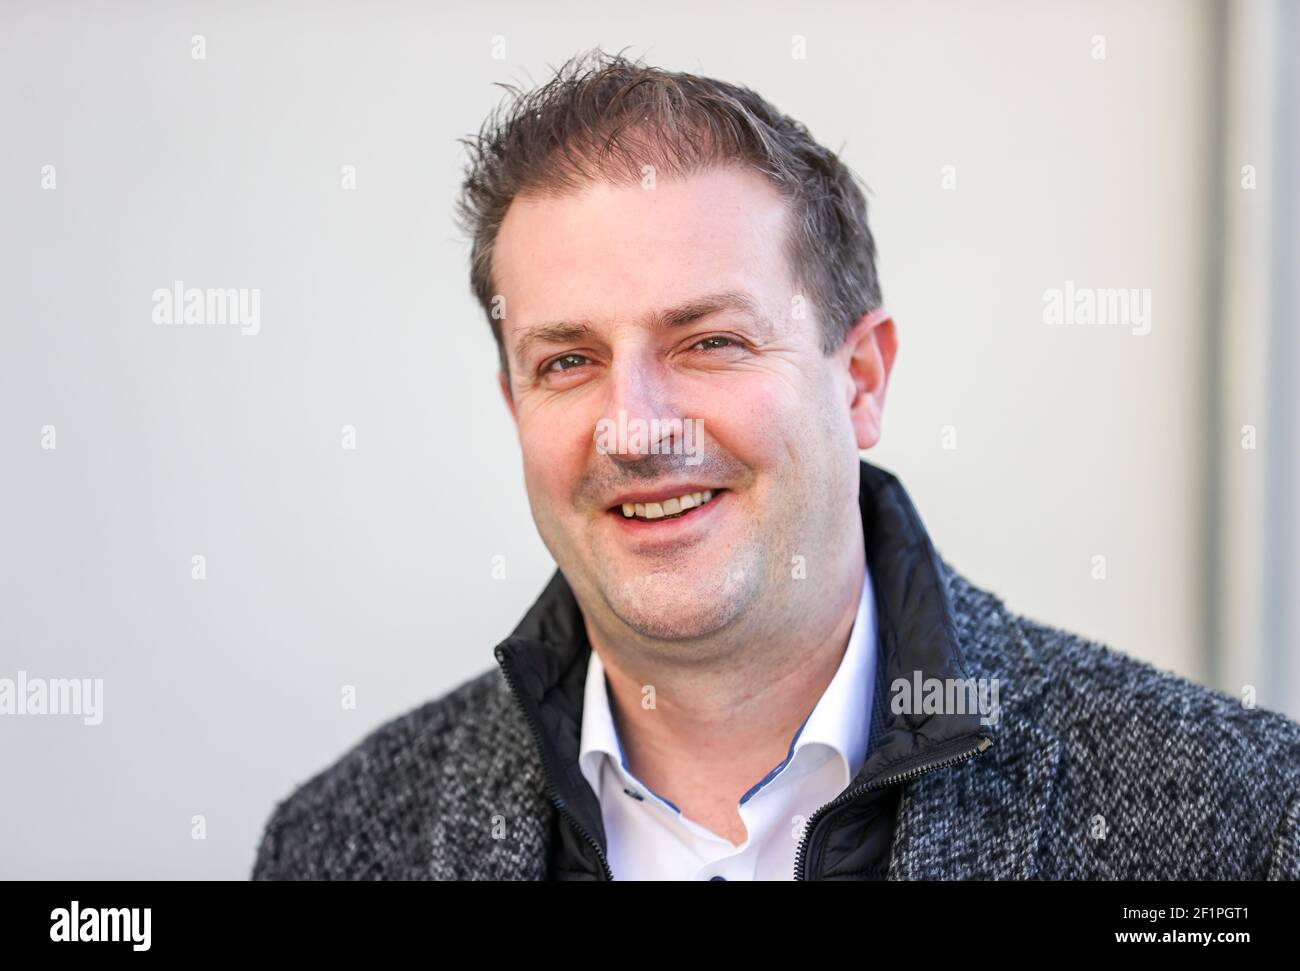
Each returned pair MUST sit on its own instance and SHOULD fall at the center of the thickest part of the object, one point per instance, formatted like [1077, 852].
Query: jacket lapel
[982, 819]
[985, 819]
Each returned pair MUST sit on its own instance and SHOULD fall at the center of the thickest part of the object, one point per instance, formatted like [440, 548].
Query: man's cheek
[751, 429]
[546, 483]
[553, 465]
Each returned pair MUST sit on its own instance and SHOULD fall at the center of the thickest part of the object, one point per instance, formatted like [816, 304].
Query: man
[751, 663]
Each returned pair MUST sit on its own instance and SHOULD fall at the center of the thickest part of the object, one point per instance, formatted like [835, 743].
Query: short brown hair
[603, 117]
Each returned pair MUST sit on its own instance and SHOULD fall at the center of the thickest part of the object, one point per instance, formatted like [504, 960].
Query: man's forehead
[650, 255]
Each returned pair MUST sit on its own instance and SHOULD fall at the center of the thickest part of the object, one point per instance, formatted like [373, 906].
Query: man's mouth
[674, 507]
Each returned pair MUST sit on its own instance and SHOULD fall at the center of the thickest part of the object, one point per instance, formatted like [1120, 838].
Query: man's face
[676, 302]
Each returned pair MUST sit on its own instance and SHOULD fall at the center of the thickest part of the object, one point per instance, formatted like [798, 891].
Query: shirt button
[716, 877]
[635, 795]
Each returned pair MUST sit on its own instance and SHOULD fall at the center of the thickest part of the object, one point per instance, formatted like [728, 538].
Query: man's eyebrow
[698, 307]
[560, 332]
[565, 331]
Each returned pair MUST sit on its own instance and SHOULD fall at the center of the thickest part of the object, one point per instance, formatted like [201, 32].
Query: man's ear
[503, 381]
[868, 355]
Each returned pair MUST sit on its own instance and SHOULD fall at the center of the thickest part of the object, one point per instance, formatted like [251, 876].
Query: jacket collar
[545, 662]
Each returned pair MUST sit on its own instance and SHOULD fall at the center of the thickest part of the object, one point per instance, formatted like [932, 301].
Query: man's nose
[638, 404]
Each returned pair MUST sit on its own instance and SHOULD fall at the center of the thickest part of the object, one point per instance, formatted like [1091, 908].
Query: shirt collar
[599, 737]
[840, 720]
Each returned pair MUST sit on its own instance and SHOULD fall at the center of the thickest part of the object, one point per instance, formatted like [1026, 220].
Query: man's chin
[679, 605]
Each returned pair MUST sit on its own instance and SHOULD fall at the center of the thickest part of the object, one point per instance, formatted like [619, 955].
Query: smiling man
[751, 663]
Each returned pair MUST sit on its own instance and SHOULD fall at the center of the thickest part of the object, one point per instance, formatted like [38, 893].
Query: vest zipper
[551, 790]
[850, 794]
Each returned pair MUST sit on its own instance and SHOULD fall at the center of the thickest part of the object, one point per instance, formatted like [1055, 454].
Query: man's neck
[715, 729]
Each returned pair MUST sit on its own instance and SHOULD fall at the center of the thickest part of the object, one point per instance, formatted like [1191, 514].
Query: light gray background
[372, 567]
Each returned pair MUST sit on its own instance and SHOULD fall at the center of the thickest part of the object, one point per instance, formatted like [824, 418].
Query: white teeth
[669, 507]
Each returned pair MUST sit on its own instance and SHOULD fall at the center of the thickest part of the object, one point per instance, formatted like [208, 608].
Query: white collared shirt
[648, 838]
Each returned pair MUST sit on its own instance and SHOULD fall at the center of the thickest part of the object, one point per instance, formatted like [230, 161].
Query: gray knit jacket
[1102, 766]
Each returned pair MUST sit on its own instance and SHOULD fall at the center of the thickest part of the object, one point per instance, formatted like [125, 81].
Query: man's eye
[566, 363]
[713, 343]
